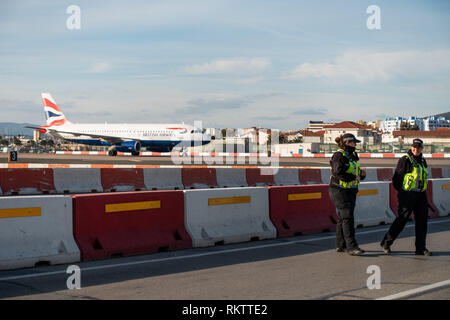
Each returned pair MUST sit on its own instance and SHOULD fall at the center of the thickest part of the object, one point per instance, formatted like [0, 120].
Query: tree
[43, 143]
[4, 142]
[282, 139]
[297, 140]
[17, 141]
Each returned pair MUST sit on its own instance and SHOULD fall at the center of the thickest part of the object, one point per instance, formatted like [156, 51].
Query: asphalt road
[290, 162]
[303, 267]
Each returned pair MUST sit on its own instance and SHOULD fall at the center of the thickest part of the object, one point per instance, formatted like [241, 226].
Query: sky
[275, 64]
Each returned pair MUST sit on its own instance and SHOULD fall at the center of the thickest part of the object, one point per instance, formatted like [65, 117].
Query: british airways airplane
[120, 137]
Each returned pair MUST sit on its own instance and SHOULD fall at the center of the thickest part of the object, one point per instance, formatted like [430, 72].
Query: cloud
[381, 66]
[318, 111]
[202, 106]
[100, 67]
[230, 66]
[269, 118]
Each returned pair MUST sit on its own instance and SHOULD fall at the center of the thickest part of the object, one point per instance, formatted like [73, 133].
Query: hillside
[16, 129]
[446, 115]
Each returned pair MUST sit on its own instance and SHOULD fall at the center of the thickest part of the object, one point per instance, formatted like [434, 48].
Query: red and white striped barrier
[251, 155]
[17, 179]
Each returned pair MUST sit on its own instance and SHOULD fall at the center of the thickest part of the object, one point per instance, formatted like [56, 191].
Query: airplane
[120, 137]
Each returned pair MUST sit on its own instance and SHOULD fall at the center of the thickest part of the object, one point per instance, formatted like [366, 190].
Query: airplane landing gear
[112, 152]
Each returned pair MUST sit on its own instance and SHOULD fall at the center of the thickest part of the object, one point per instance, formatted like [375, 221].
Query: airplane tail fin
[53, 114]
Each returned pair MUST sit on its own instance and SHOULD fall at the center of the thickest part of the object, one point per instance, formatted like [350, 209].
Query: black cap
[350, 137]
[417, 143]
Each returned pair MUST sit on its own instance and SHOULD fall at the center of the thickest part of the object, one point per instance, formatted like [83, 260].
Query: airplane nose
[206, 138]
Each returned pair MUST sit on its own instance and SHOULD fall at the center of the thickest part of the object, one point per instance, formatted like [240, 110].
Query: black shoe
[340, 249]
[356, 252]
[386, 249]
[424, 252]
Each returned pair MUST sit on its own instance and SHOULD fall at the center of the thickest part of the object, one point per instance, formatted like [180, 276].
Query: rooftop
[440, 132]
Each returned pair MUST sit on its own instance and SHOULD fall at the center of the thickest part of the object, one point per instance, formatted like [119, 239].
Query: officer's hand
[363, 174]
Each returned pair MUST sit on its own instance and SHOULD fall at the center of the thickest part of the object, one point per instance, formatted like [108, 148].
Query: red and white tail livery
[53, 114]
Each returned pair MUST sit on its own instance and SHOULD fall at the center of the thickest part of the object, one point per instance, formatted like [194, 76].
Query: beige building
[366, 134]
[296, 148]
[313, 137]
[37, 135]
[318, 126]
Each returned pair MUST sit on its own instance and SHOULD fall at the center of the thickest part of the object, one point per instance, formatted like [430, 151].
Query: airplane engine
[129, 146]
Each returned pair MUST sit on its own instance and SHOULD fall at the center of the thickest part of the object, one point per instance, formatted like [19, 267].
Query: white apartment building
[390, 125]
[432, 123]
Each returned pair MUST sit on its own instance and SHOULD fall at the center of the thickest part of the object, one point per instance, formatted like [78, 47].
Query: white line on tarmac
[34, 275]
[416, 291]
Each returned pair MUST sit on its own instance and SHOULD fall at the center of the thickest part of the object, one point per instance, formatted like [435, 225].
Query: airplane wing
[109, 139]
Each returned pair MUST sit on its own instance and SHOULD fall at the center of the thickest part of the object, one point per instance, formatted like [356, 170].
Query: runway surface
[303, 267]
[128, 160]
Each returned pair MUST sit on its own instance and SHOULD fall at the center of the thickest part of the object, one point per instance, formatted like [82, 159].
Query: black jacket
[405, 166]
[339, 164]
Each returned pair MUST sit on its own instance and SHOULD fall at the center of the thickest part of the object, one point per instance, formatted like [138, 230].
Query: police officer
[345, 178]
[410, 180]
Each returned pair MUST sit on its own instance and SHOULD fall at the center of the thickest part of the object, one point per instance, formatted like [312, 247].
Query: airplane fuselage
[155, 137]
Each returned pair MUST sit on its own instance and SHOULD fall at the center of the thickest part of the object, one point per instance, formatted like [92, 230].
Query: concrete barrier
[72, 180]
[309, 176]
[198, 178]
[118, 179]
[445, 172]
[434, 173]
[259, 177]
[220, 216]
[297, 210]
[441, 196]
[371, 174]
[18, 181]
[287, 177]
[163, 178]
[231, 177]
[433, 212]
[36, 229]
[129, 223]
[385, 174]
[325, 173]
[372, 205]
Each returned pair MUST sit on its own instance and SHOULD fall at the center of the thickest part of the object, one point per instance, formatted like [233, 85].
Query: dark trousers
[408, 202]
[344, 200]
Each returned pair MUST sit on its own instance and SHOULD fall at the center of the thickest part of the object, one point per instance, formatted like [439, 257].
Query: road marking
[125, 264]
[416, 291]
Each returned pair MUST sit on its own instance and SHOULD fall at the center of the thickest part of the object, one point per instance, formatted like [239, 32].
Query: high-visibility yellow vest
[353, 168]
[417, 179]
